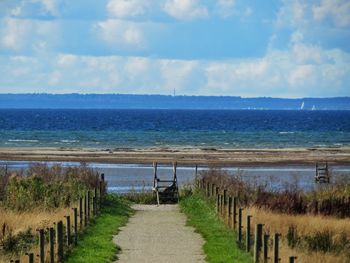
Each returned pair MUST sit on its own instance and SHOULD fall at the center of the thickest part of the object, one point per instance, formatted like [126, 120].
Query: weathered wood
[75, 226]
[68, 232]
[248, 234]
[229, 211]
[217, 203]
[234, 211]
[88, 205]
[222, 204]
[59, 239]
[266, 248]
[81, 211]
[96, 201]
[41, 245]
[292, 259]
[85, 211]
[276, 239]
[30, 257]
[239, 230]
[52, 244]
[258, 242]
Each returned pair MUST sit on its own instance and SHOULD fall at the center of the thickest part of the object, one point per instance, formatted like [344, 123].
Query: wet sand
[184, 156]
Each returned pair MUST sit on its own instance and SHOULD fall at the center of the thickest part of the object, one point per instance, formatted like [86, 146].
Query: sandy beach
[184, 156]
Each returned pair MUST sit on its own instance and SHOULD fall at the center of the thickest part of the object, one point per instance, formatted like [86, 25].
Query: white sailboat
[313, 107]
[302, 105]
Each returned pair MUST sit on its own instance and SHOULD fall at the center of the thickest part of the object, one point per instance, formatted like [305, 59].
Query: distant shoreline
[184, 156]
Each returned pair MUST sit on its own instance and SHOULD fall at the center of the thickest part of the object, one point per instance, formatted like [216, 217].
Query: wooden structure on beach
[322, 173]
[166, 190]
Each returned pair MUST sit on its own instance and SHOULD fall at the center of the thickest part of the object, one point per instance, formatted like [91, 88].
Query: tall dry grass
[299, 216]
[18, 222]
[36, 198]
[306, 225]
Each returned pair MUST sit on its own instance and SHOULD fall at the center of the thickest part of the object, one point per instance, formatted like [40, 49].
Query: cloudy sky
[247, 48]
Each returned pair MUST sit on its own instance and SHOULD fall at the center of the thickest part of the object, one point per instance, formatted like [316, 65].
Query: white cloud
[27, 35]
[127, 8]
[66, 59]
[226, 7]
[300, 75]
[15, 32]
[277, 73]
[307, 54]
[185, 9]
[121, 33]
[337, 10]
[54, 78]
[292, 13]
[50, 6]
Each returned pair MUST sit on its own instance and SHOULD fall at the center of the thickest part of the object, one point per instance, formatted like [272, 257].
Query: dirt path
[159, 234]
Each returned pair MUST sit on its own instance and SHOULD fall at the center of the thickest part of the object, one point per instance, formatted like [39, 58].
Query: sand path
[159, 234]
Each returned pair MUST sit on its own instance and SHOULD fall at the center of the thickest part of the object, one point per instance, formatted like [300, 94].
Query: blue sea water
[173, 128]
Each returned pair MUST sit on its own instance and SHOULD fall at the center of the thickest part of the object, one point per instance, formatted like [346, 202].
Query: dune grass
[95, 244]
[220, 243]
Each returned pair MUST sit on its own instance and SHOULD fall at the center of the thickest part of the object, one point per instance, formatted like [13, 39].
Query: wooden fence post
[222, 205]
[213, 190]
[59, 233]
[52, 244]
[85, 210]
[240, 210]
[102, 188]
[229, 211]
[225, 201]
[248, 234]
[217, 203]
[292, 259]
[81, 211]
[75, 220]
[258, 242]
[89, 205]
[30, 257]
[96, 205]
[41, 245]
[266, 248]
[276, 248]
[68, 228]
[234, 212]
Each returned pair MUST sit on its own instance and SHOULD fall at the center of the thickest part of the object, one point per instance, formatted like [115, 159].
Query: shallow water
[122, 178]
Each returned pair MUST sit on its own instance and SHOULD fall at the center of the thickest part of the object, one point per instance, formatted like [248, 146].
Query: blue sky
[275, 48]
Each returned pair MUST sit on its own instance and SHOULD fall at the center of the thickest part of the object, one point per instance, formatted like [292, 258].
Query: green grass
[220, 242]
[95, 244]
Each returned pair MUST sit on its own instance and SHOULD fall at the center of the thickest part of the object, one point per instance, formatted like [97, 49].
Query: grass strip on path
[220, 243]
[95, 244]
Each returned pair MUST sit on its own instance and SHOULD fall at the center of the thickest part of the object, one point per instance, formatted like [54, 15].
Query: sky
[273, 48]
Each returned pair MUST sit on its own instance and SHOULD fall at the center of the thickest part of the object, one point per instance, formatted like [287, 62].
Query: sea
[220, 129]
[173, 128]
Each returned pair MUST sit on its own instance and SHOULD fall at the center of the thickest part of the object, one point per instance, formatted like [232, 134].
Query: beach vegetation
[315, 225]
